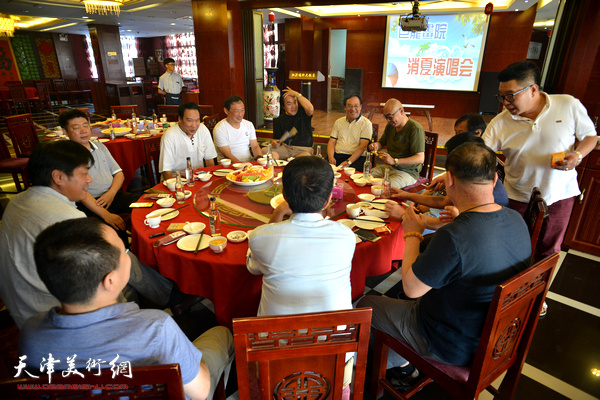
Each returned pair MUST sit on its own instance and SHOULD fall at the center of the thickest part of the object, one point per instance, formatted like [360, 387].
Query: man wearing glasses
[405, 142]
[170, 84]
[350, 136]
[532, 127]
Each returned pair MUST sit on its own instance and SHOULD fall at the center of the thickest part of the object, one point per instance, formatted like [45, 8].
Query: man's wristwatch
[580, 157]
[395, 161]
[349, 162]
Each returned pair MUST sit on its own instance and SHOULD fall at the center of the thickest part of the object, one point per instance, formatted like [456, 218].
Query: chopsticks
[198, 244]
[167, 213]
[371, 220]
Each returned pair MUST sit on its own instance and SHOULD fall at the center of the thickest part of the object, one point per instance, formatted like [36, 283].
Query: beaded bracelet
[415, 234]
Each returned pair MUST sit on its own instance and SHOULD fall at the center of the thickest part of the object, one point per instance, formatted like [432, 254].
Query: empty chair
[299, 352]
[507, 334]
[18, 98]
[124, 112]
[43, 96]
[169, 111]
[13, 166]
[152, 151]
[22, 134]
[60, 91]
[210, 121]
[73, 89]
[84, 86]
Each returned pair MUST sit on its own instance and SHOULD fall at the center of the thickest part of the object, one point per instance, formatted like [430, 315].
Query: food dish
[165, 202]
[188, 243]
[118, 131]
[204, 176]
[237, 236]
[143, 136]
[164, 211]
[348, 222]
[222, 172]
[358, 175]
[366, 196]
[188, 194]
[194, 228]
[368, 223]
[277, 200]
[250, 176]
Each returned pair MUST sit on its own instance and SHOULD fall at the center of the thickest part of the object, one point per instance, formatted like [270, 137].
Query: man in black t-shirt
[298, 111]
[452, 282]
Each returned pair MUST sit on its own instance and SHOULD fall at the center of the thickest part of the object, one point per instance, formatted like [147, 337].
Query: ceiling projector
[413, 23]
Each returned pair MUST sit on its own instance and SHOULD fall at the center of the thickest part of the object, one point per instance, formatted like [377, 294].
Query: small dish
[262, 161]
[376, 181]
[360, 182]
[165, 202]
[237, 236]
[357, 176]
[366, 196]
[194, 228]
[349, 171]
[204, 176]
[239, 165]
[348, 222]
[337, 175]
[188, 194]
[225, 162]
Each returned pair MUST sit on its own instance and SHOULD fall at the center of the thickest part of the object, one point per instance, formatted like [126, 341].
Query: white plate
[380, 203]
[376, 213]
[348, 222]
[277, 200]
[183, 180]
[118, 131]
[189, 243]
[372, 223]
[365, 205]
[366, 196]
[356, 176]
[103, 140]
[52, 135]
[237, 236]
[200, 227]
[222, 172]
[281, 163]
[164, 211]
[143, 136]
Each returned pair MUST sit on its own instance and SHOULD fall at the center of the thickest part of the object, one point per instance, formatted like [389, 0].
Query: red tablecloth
[130, 156]
[224, 279]
[30, 92]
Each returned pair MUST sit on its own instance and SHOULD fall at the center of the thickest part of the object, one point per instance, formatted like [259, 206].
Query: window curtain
[129, 47]
[182, 48]
[90, 57]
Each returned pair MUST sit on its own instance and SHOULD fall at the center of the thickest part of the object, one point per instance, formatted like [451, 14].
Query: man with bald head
[405, 142]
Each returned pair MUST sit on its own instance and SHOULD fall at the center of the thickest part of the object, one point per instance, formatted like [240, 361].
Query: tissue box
[338, 191]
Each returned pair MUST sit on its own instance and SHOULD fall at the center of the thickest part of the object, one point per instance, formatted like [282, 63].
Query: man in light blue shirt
[170, 84]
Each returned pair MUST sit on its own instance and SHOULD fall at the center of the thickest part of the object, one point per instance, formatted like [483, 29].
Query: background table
[223, 278]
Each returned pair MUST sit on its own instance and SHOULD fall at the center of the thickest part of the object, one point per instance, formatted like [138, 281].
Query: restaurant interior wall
[65, 55]
[507, 41]
[109, 57]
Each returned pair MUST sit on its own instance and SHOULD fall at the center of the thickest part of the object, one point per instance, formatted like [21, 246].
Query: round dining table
[223, 277]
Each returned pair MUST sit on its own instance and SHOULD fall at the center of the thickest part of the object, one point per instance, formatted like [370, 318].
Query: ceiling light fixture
[103, 6]
[7, 26]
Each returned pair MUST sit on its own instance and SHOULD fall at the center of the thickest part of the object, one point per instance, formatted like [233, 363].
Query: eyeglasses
[390, 117]
[511, 96]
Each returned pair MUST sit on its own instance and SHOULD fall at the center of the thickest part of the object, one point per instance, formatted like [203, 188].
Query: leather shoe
[402, 381]
[185, 305]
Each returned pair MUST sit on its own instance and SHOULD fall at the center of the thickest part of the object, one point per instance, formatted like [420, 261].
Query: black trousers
[172, 99]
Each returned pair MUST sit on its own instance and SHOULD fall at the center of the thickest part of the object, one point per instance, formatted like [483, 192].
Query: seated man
[347, 146]
[189, 138]
[405, 142]
[59, 174]
[293, 116]
[470, 123]
[453, 280]
[306, 260]
[234, 136]
[85, 265]
[104, 197]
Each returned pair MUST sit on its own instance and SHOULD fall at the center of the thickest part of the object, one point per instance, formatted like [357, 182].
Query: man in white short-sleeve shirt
[235, 136]
[189, 138]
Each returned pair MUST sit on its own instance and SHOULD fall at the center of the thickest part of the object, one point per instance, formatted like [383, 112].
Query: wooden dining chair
[13, 166]
[152, 151]
[60, 91]
[74, 90]
[210, 121]
[84, 86]
[170, 111]
[426, 174]
[535, 215]
[149, 382]
[18, 99]
[301, 353]
[22, 134]
[205, 109]
[43, 96]
[124, 112]
[509, 327]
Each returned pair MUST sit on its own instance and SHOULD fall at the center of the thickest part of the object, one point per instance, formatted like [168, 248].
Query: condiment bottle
[189, 173]
[214, 218]
[179, 191]
[386, 185]
[367, 166]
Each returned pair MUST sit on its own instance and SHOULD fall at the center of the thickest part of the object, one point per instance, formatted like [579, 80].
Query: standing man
[532, 127]
[293, 117]
[234, 136]
[451, 284]
[59, 173]
[189, 138]
[405, 142]
[170, 84]
[470, 123]
[350, 136]
[104, 198]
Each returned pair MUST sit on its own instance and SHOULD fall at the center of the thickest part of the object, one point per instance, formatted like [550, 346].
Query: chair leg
[380, 356]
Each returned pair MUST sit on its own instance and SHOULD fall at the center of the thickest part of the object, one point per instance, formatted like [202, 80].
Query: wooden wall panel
[110, 68]
[66, 59]
[79, 45]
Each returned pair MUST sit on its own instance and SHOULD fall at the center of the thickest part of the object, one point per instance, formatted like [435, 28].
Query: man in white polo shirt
[234, 136]
[189, 138]
[350, 136]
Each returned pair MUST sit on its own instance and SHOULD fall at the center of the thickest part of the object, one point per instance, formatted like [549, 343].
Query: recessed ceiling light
[85, 17]
[173, 23]
[128, 30]
[517, 9]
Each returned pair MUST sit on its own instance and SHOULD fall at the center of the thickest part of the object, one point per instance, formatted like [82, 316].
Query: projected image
[447, 56]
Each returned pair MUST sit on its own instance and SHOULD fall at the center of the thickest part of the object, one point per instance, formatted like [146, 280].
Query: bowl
[262, 161]
[360, 182]
[194, 227]
[376, 181]
[377, 190]
[165, 202]
[237, 236]
[225, 162]
[366, 196]
[218, 244]
[188, 194]
[205, 176]
[337, 175]
[154, 132]
[349, 171]
[130, 136]
[239, 165]
[357, 175]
